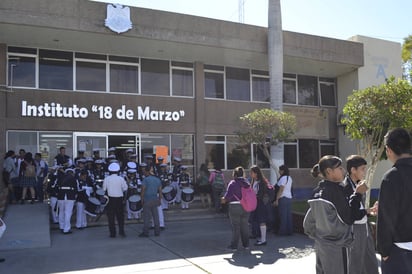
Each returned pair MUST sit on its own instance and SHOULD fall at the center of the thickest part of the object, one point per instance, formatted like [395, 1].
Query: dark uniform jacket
[394, 224]
[330, 216]
[67, 187]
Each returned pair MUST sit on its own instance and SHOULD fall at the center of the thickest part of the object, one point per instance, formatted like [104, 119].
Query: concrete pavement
[191, 245]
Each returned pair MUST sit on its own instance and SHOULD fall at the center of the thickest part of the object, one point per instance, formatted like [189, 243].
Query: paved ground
[194, 245]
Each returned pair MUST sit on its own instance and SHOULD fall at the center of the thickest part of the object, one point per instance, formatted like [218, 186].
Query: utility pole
[241, 7]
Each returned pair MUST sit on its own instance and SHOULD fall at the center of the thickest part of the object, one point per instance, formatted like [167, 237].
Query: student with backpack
[237, 214]
[27, 176]
[217, 180]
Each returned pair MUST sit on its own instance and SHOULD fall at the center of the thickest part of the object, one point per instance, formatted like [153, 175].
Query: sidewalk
[194, 245]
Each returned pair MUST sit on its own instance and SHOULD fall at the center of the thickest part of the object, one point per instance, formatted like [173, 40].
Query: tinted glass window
[155, 77]
[214, 85]
[90, 76]
[237, 84]
[307, 90]
[55, 69]
[124, 78]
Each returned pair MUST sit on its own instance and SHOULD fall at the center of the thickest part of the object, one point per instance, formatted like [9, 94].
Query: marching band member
[84, 189]
[176, 178]
[55, 173]
[185, 183]
[164, 177]
[132, 185]
[98, 174]
[66, 197]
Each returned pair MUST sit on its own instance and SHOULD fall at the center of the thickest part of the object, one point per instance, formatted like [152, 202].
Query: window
[237, 154]
[327, 91]
[289, 88]
[90, 72]
[237, 84]
[308, 153]
[55, 69]
[259, 157]
[214, 82]
[307, 90]
[22, 67]
[215, 151]
[327, 148]
[124, 78]
[290, 154]
[260, 86]
[46, 143]
[183, 146]
[151, 141]
[182, 79]
[155, 77]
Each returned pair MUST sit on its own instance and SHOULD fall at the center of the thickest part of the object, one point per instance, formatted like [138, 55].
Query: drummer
[98, 174]
[164, 177]
[84, 189]
[185, 183]
[176, 178]
[132, 185]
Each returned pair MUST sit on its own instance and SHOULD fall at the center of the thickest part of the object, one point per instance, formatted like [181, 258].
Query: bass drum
[92, 206]
[188, 195]
[135, 203]
[169, 193]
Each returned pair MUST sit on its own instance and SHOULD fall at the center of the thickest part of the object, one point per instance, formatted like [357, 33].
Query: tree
[371, 112]
[267, 127]
[275, 63]
[407, 58]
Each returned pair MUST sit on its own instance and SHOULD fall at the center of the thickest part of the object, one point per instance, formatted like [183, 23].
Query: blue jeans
[285, 214]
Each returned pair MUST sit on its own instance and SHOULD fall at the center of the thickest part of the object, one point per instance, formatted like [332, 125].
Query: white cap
[69, 170]
[177, 159]
[129, 150]
[114, 167]
[132, 170]
[131, 165]
[112, 149]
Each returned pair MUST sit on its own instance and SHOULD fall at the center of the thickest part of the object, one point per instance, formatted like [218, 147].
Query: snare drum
[188, 195]
[92, 206]
[135, 203]
[169, 193]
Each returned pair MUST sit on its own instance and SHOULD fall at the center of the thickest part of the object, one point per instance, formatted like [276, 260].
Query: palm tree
[275, 61]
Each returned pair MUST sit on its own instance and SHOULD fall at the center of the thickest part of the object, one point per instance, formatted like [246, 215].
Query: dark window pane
[237, 84]
[307, 90]
[22, 71]
[259, 156]
[22, 50]
[327, 150]
[213, 67]
[182, 82]
[308, 153]
[183, 146]
[215, 155]
[260, 89]
[237, 154]
[124, 59]
[90, 76]
[155, 77]
[290, 156]
[124, 78]
[327, 93]
[55, 69]
[182, 64]
[289, 91]
[91, 56]
[214, 85]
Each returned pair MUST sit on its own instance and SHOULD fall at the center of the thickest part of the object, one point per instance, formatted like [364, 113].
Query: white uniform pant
[132, 214]
[81, 218]
[164, 204]
[54, 210]
[176, 186]
[65, 214]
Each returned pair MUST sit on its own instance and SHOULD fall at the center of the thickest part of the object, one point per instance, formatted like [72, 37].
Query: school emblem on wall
[118, 18]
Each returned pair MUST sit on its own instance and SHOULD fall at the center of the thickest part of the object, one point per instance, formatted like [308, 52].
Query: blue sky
[382, 19]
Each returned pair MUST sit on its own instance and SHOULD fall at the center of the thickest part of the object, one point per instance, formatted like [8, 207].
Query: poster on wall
[162, 151]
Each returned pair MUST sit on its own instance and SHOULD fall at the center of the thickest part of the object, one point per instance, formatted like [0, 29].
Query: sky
[383, 19]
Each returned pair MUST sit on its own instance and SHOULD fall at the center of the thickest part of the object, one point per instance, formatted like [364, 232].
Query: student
[330, 217]
[362, 256]
[394, 225]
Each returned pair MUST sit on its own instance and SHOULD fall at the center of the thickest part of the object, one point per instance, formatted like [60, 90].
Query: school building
[90, 76]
